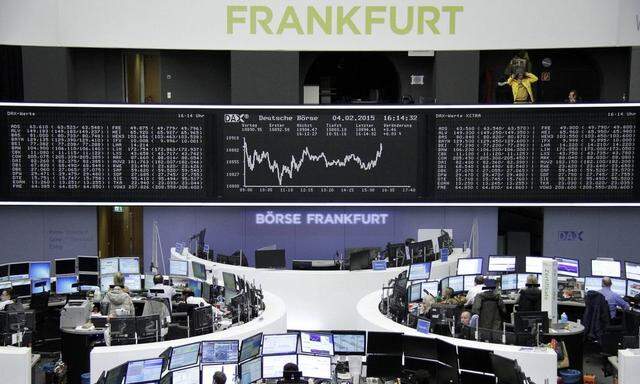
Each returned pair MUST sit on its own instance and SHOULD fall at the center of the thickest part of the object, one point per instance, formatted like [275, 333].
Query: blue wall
[47, 233]
[232, 228]
[606, 232]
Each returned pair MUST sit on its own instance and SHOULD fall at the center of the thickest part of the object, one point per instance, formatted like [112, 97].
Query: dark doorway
[354, 78]
[520, 231]
[120, 231]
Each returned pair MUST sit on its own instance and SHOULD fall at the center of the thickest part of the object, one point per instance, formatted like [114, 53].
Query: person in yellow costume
[521, 86]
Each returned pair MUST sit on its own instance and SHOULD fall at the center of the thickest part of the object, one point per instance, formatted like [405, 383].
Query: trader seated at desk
[189, 297]
[613, 299]
[118, 299]
[169, 291]
[530, 298]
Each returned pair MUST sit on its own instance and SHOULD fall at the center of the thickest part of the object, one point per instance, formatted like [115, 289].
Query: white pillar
[549, 287]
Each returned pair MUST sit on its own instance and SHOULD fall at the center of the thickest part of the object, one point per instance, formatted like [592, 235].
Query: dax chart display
[307, 154]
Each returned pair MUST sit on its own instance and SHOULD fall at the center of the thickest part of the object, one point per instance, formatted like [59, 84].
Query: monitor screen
[22, 289]
[502, 264]
[533, 264]
[509, 282]
[5, 284]
[19, 271]
[592, 283]
[109, 266]
[4, 271]
[385, 342]
[144, 371]
[619, 286]
[220, 352]
[470, 266]
[251, 371]
[40, 270]
[105, 282]
[273, 258]
[199, 271]
[178, 267]
[87, 263]
[65, 266]
[317, 343]
[115, 375]
[88, 279]
[609, 268]
[280, 344]
[431, 287]
[229, 280]
[186, 376]
[415, 292]
[632, 270]
[250, 347]
[384, 366]
[633, 288]
[420, 271]
[349, 342]
[148, 282]
[469, 282]
[420, 347]
[456, 283]
[228, 369]
[272, 365]
[184, 356]
[129, 265]
[568, 267]
[64, 284]
[133, 282]
[317, 367]
[39, 289]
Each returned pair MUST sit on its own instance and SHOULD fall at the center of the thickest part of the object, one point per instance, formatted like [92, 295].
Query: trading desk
[272, 320]
[318, 300]
[537, 363]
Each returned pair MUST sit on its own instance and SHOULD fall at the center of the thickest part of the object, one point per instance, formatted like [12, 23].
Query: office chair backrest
[157, 307]
[39, 301]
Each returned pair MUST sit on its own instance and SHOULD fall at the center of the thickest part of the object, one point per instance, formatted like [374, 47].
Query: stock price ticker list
[104, 154]
[553, 154]
[321, 155]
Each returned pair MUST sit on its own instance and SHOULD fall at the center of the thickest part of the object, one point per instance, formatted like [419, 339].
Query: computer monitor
[316, 367]
[220, 352]
[116, 375]
[230, 370]
[633, 288]
[470, 266]
[619, 286]
[37, 287]
[106, 281]
[523, 277]
[21, 288]
[250, 347]
[88, 264]
[502, 264]
[568, 267]
[527, 320]
[318, 343]
[148, 282]
[189, 375]
[456, 283]
[40, 270]
[4, 272]
[505, 370]
[414, 292]
[178, 268]
[349, 342]
[133, 282]
[431, 287]
[272, 366]
[384, 366]
[109, 266]
[184, 356]
[420, 347]
[611, 268]
[88, 279]
[251, 371]
[270, 259]
[422, 250]
[385, 343]
[65, 266]
[129, 265]
[533, 264]
[420, 271]
[64, 284]
[144, 371]
[18, 271]
[592, 283]
[469, 281]
[229, 280]
[196, 286]
[280, 344]
[509, 282]
[360, 260]
[632, 270]
[475, 359]
[199, 271]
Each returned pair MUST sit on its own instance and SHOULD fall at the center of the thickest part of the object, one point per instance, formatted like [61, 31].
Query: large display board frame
[382, 154]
